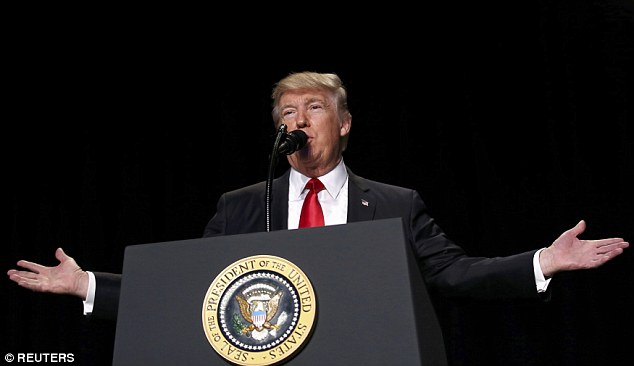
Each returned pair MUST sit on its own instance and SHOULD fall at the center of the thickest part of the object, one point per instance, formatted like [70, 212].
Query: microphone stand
[281, 132]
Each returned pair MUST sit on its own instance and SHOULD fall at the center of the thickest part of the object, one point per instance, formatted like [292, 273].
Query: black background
[512, 121]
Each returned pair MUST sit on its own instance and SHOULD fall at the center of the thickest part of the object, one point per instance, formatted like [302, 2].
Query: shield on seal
[258, 317]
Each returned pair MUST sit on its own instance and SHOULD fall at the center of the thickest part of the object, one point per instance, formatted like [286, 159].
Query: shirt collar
[333, 181]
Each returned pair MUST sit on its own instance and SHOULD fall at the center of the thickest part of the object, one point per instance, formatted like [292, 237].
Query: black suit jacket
[446, 268]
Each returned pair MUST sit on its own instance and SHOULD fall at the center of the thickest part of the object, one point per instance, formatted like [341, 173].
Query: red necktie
[312, 214]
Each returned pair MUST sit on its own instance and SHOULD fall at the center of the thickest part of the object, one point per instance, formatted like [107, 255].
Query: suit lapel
[361, 204]
[279, 205]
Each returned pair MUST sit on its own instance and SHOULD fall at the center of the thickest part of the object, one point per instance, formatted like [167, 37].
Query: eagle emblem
[258, 306]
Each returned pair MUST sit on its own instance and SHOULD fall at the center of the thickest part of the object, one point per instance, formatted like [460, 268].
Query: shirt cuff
[540, 281]
[90, 296]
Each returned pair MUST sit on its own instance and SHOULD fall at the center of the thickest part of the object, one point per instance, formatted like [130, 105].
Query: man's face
[314, 112]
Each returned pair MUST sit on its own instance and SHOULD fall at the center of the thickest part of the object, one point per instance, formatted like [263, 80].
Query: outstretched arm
[65, 278]
[568, 252]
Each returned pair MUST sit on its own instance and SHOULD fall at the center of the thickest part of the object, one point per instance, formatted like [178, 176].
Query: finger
[611, 253]
[61, 255]
[37, 268]
[30, 284]
[22, 280]
[579, 228]
[13, 275]
[24, 274]
[603, 258]
[612, 242]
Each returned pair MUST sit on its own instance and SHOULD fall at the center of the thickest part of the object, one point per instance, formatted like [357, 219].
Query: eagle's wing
[244, 308]
[274, 303]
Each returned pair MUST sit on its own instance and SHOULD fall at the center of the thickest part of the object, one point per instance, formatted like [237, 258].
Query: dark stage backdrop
[513, 122]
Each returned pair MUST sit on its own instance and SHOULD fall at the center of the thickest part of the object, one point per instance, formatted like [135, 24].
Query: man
[317, 104]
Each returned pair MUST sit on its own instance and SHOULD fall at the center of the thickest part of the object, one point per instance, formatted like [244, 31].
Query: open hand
[65, 278]
[568, 252]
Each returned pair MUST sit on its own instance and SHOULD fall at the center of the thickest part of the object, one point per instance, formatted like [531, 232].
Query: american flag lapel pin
[365, 203]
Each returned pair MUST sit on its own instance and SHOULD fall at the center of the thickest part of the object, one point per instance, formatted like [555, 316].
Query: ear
[346, 124]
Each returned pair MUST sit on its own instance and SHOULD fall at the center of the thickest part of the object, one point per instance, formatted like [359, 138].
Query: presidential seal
[259, 310]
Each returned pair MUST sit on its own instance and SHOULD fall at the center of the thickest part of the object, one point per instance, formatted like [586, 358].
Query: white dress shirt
[333, 199]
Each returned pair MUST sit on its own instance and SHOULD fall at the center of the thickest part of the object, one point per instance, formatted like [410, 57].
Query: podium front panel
[372, 307]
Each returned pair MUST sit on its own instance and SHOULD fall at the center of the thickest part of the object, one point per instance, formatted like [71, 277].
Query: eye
[287, 113]
[315, 107]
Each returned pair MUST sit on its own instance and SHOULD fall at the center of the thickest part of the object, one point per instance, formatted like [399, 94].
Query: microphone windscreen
[295, 140]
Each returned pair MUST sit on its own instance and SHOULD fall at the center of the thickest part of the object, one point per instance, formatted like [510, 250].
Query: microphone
[294, 141]
[285, 143]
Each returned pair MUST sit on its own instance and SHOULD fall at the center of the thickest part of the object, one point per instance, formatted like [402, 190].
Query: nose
[302, 123]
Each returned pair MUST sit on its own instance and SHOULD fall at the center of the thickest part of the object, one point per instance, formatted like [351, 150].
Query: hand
[569, 253]
[65, 278]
